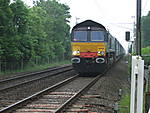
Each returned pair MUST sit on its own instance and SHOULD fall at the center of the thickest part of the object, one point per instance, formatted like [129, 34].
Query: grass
[146, 51]
[124, 104]
[35, 68]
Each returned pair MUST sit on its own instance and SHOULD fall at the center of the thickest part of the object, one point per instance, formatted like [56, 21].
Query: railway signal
[127, 36]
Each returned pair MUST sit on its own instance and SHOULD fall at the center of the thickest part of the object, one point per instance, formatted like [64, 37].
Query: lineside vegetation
[33, 35]
[146, 51]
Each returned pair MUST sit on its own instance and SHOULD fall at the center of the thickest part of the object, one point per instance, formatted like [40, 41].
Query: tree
[36, 30]
[146, 30]
[39, 34]
[6, 30]
[14, 33]
[6, 16]
[56, 27]
[20, 17]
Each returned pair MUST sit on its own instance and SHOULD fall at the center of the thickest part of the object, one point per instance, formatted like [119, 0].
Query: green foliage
[124, 104]
[33, 35]
[146, 51]
[6, 16]
[56, 27]
[146, 30]
[20, 16]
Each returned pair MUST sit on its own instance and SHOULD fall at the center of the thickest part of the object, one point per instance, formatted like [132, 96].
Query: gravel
[19, 93]
[108, 90]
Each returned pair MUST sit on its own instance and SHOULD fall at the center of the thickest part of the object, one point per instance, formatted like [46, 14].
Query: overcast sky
[117, 15]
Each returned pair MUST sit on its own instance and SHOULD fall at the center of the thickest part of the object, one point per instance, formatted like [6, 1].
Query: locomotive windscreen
[97, 35]
[80, 36]
[91, 35]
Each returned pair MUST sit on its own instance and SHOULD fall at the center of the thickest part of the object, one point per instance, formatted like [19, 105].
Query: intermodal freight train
[93, 47]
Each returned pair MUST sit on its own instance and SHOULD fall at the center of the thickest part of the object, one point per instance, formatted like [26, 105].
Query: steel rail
[78, 94]
[33, 73]
[35, 96]
[3, 89]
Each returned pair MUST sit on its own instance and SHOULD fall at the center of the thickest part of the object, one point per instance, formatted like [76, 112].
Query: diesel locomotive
[93, 47]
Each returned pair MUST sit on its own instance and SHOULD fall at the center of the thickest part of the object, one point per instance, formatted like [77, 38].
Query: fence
[14, 65]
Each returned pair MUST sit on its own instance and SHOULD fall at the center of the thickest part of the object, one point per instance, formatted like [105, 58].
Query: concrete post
[137, 83]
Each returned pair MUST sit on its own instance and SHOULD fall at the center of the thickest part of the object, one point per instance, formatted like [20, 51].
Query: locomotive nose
[100, 60]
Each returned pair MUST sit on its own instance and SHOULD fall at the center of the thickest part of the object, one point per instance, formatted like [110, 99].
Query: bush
[146, 51]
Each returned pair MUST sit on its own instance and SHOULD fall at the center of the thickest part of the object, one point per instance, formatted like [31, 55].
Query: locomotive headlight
[76, 53]
[100, 53]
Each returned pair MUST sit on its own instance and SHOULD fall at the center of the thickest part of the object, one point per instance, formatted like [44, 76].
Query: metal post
[77, 20]
[138, 28]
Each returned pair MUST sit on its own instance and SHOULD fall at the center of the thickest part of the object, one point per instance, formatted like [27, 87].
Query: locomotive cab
[89, 45]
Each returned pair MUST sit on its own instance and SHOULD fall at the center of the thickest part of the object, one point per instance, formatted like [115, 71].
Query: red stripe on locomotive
[88, 54]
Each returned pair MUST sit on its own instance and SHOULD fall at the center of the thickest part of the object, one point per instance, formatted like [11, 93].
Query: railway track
[17, 91]
[9, 76]
[57, 98]
[29, 78]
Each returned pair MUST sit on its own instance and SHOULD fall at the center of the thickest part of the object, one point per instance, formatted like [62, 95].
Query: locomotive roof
[89, 23]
